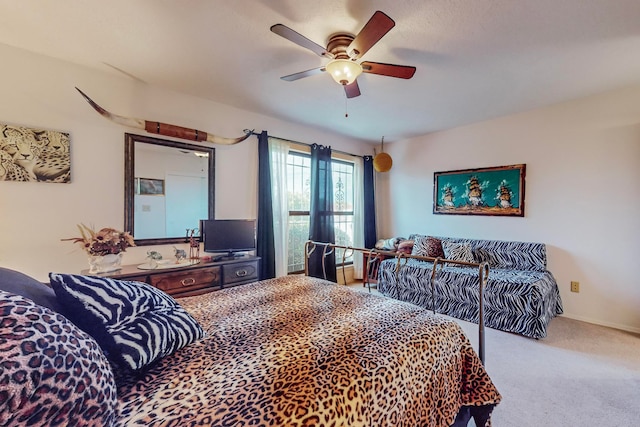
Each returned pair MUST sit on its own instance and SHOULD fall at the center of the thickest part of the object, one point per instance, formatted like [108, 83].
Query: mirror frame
[130, 141]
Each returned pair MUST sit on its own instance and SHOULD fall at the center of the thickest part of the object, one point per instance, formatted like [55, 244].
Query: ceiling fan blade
[302, 74]
[373, 30]
[390, 70]
[299, 39]
[352, 90]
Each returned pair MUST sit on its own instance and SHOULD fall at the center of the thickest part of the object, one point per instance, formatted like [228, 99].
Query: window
[299, 196]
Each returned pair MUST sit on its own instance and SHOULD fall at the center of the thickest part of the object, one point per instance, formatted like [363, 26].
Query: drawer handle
[188, 281]
[241, 273]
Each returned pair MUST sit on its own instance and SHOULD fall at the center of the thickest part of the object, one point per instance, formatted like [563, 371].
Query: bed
[291, 351]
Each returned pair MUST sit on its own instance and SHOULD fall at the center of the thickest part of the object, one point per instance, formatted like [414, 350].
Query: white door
[186, 203]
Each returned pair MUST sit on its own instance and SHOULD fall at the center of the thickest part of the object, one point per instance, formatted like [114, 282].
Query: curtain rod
[248, 131]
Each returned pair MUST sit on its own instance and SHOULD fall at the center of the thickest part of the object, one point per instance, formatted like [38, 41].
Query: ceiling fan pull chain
[346, 109]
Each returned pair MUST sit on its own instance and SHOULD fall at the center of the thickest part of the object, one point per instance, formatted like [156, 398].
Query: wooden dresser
[193, 279]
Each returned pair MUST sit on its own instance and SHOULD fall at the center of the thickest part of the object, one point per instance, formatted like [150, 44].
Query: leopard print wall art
[29, 154]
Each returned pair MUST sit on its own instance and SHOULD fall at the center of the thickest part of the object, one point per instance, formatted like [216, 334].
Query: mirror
[169, 187]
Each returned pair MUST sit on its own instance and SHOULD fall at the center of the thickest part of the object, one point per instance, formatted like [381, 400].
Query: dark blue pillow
[21, 284]
[135, 323]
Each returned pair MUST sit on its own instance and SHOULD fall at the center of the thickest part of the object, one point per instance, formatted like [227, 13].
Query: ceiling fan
[344, 50]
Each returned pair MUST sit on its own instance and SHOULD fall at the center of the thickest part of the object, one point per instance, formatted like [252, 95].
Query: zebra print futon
[521, 296]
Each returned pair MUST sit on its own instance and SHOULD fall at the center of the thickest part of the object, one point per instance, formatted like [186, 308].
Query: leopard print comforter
[300, 351]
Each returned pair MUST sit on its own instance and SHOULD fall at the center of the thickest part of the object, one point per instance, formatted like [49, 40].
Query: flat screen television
[228, 236]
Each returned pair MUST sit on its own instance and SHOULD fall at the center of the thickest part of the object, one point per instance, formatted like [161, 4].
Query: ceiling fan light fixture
[344, 71]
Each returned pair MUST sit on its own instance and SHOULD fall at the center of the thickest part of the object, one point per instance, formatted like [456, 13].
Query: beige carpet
[579, 375]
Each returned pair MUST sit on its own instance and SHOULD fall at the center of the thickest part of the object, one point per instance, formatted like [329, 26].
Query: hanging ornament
[382, 162]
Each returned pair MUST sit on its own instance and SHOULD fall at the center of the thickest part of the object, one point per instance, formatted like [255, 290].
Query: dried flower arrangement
[104, 242]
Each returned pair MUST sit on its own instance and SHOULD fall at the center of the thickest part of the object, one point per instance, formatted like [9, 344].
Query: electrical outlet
[575, 286]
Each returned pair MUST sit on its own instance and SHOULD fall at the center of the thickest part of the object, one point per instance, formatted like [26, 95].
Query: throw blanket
[300, 351]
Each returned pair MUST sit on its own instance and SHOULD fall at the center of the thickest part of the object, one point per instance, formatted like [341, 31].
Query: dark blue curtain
[321, 211]
[265, 239]
[370, 235]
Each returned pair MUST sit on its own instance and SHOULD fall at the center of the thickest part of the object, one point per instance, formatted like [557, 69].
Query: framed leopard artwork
[28, 154]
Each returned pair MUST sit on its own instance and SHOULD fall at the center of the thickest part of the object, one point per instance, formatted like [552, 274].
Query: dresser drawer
[241, 272]
[143, 278]
[187, 281]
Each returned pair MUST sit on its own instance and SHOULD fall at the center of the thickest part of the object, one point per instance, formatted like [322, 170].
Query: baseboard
[348, 274]
[601, 323]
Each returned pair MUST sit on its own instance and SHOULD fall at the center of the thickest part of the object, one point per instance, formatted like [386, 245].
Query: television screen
[228, 235]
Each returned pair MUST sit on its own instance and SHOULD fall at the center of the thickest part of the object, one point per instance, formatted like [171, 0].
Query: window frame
[297, 213]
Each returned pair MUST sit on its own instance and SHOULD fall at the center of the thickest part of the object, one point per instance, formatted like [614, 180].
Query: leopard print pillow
[428, 246]
[51, 373]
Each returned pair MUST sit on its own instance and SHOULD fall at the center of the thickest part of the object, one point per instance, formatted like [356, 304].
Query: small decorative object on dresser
[105, 263]
[194, 244]
[154, 257]
[180, 254]
[104, 247]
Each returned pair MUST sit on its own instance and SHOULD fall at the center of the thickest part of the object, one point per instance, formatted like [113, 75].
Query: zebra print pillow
[457, 251]
[513, 255]
[134, 323]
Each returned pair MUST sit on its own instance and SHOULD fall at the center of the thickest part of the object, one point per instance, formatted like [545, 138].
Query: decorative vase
[105, 263]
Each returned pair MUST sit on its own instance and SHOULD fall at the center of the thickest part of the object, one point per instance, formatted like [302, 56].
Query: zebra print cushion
[502, 253]
[134, 323]
[518, 255]
[457, 251]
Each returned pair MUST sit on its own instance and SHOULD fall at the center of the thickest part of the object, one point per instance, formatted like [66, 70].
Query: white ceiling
[475, 59]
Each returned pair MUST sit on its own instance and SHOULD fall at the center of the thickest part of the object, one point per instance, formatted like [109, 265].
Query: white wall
[39, 92]
[583, 173]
